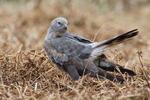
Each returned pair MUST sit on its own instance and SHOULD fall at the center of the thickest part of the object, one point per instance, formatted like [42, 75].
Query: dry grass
[27, 74]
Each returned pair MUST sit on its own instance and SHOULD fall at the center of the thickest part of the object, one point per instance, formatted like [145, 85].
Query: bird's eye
[59, 23]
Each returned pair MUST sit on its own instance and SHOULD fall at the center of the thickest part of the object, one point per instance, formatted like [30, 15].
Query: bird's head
[59, 25]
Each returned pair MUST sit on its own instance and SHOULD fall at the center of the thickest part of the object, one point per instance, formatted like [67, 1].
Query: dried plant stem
[122, 76]
[142, 68]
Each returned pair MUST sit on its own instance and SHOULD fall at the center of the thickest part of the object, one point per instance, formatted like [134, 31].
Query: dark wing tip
[126, 35]
[120, 38]
[132, 33]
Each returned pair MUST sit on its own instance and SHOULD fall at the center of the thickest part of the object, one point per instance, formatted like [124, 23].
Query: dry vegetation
[27, 74]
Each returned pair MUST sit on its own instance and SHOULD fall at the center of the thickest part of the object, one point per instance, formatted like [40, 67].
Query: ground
[26, 73]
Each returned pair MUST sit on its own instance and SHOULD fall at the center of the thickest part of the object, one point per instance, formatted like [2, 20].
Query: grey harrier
[78, 56]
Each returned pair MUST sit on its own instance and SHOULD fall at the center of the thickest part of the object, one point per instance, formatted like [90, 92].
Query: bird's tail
[99, 47]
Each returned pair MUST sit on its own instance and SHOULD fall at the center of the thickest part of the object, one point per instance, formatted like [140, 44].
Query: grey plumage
[75, 54]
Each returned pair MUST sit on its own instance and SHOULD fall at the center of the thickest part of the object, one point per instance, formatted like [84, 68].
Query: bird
[79, 56]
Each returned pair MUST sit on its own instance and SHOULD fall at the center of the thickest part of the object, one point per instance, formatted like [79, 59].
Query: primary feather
[99, 47]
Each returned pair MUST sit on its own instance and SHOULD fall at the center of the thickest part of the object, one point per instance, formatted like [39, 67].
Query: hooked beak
[65, 26]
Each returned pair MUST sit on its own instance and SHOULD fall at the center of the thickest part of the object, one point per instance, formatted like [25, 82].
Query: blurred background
[24, 24]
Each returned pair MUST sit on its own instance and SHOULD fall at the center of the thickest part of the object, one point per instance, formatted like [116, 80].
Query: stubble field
[26, 73]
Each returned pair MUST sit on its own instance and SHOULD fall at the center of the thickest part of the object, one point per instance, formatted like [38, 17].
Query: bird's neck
[53, 34]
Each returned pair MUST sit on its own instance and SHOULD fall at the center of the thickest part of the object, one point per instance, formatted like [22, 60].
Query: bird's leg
[72, 71]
